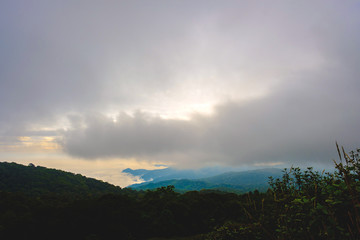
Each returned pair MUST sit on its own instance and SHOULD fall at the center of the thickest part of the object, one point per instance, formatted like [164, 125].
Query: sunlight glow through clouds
[32, 144]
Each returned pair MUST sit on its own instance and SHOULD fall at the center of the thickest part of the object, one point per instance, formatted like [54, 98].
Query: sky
[94, 87]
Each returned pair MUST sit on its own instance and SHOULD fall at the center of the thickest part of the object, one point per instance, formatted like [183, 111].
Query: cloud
[60, 57]
[129, 136]
[298, 123]
[283, 78]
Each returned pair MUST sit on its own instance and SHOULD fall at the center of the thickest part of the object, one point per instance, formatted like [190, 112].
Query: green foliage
[319, 205]
[301, 204]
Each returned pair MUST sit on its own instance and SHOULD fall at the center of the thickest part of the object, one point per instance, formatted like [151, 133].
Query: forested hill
[36, 180]
[300, 204]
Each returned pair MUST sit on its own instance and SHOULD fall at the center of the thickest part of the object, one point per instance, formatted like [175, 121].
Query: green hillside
[36, 180]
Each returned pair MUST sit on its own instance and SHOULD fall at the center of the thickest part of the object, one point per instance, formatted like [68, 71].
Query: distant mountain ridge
[258, 176]
[164, 174]
[242, 181]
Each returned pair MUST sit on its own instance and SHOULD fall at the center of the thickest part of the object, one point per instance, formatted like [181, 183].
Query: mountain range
[169, 173]
[190, 180]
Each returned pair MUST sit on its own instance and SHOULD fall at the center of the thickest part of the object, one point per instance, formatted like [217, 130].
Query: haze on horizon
[95, 87]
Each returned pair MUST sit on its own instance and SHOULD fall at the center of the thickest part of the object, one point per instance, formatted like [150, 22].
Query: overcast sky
[97, 86]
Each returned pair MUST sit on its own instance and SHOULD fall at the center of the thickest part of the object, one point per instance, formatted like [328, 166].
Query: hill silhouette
[36, 180]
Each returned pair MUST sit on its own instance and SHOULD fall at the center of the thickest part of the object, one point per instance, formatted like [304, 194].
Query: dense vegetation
[299, 205]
